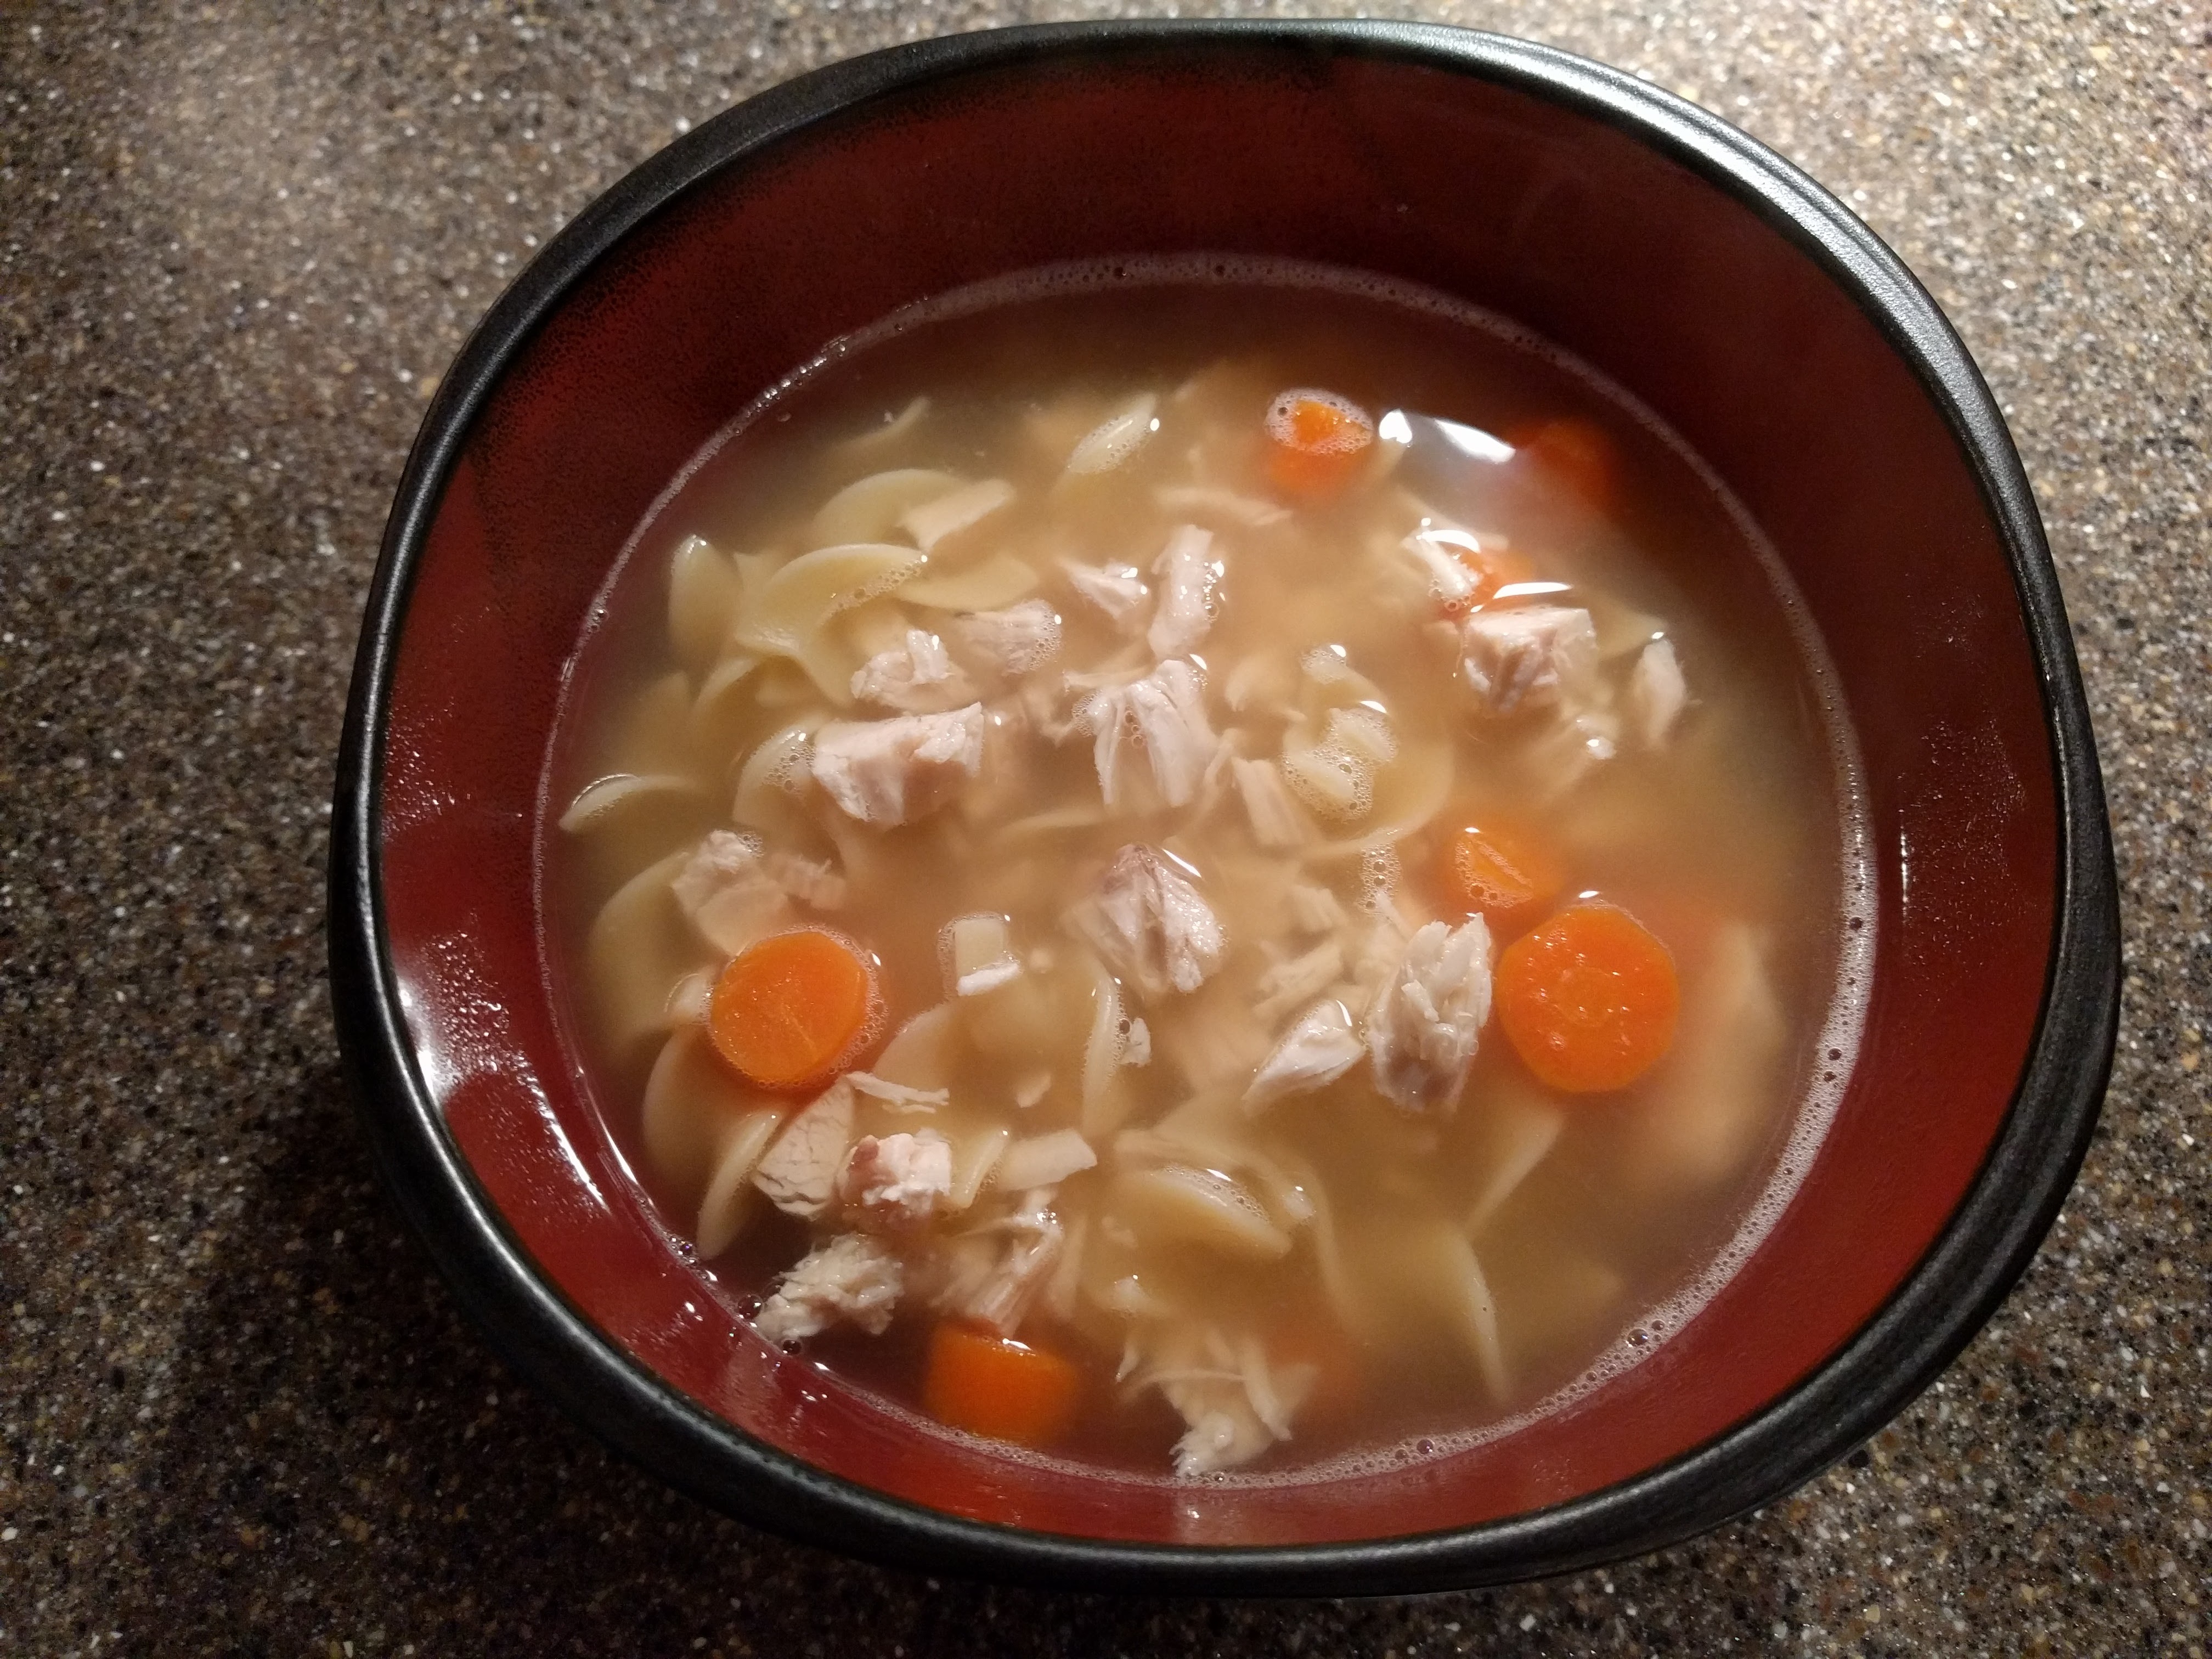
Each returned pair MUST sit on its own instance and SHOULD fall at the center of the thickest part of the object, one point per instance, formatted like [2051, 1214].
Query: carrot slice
[1499, 871]
[1588, 1000]
[1316, 441]
[1577, 456]
[788, 1012]
[992, 1385]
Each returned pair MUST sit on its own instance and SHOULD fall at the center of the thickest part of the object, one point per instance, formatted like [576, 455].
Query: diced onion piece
[979, 954]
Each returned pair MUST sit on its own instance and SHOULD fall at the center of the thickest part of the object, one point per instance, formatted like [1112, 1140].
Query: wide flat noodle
[729, 1201]
[609, 799]
[703, 595]
[869, 509]
[996, 582]
[694, 1104]
[791, 616]
[639, 948]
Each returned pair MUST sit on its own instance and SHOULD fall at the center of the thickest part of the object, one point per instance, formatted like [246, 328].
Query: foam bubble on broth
[1381, 873]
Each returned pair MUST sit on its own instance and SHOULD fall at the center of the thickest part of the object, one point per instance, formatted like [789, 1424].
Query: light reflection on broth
[1059, 791]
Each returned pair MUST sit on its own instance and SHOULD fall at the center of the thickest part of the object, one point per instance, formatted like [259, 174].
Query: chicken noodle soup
[1208, 867]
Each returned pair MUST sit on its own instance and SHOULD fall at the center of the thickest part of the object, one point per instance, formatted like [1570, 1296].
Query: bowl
[1749, 308]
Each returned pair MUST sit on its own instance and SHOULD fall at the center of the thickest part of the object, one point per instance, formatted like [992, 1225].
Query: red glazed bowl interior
[1713, 311]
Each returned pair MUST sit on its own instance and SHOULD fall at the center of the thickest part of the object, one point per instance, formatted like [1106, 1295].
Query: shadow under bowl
[1748, 308]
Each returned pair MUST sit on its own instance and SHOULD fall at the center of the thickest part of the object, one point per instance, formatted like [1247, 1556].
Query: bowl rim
[1933, 1312]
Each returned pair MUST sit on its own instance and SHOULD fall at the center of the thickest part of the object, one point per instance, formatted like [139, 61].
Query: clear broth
[1741, 835]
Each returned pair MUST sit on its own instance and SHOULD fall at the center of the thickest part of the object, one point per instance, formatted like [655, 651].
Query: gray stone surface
[238, 243]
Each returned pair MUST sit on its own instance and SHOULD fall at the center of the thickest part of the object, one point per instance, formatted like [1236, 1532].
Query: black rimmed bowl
[1699, 271]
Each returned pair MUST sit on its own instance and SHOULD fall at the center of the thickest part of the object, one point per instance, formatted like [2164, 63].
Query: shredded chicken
[1119, 590]
[729, 893]
[1165, 714]
[1000, 1287]
[1150, 925]
[1294, 983]
[1008, 643]
[1320, 1048]
[852, 1279]
[1315, 910]
[919, 676]
[893, 771]
[894, 1183]
[1051, 707]
[1187, 571]
[1235, 1402]
[810, 881]
[799, 1173]
[1424, 1027]
[1204, 501]
[1526, 656]
[1655, 693]
[896, 1096]
[1277, 820]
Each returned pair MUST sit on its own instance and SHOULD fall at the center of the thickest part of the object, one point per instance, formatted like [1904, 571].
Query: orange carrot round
[993, 1386]
[1577, 456]
[1316, 441]
[788, 1012]
[1499, 871]
[1588, 1000]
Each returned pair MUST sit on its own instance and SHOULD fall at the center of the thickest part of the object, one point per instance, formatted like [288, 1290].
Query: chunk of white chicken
[799, 1173]
[918, 676]
[1527, 656]
[1119, 590]
[1319, 1049]
[729, 892]
[893, 1183]
[1006, 643]
[1424, 1027]
[851, 1280]
[1656, 694]
[893, 771]
[1187, 571]
[1150, 924]
[1164, 714]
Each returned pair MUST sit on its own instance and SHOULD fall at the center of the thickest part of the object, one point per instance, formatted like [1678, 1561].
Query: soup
[1206, 868]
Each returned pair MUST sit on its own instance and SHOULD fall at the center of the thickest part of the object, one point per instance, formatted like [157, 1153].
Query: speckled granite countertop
[237, 246]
